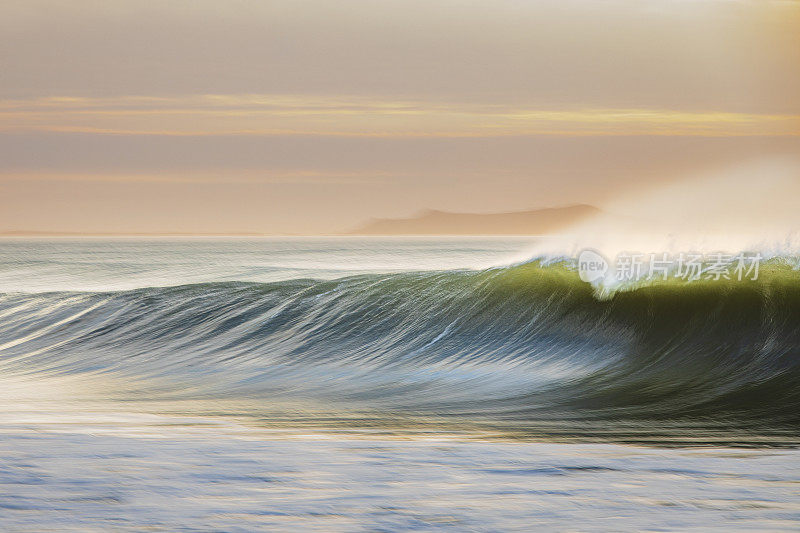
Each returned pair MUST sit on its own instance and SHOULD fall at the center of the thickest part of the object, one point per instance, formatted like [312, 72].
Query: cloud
[267, 114]
[231, 177]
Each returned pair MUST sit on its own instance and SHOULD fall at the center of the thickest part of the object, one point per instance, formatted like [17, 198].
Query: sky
[311, 116]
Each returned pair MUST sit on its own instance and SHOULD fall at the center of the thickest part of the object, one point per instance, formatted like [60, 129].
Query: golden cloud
[362, 117]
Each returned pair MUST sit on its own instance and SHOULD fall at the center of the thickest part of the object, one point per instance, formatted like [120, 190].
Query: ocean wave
[527, 347]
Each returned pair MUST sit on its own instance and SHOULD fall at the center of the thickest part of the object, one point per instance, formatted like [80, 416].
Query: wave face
[526, 349]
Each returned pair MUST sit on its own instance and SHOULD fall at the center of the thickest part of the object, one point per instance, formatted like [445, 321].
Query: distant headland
[433, 222]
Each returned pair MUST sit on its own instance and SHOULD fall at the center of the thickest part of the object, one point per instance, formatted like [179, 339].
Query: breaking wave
[526, 349]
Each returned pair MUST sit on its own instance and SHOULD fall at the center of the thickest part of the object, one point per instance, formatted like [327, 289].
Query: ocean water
[387, 384]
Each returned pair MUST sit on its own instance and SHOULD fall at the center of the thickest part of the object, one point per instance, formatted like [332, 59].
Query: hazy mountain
[432, 222]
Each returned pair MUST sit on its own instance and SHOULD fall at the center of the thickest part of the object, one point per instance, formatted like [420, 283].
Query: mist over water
[750, 207]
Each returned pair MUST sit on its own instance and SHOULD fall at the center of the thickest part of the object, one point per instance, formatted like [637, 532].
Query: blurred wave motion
[521, 349]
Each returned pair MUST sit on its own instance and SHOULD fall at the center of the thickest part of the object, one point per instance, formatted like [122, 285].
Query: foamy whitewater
[388, 384]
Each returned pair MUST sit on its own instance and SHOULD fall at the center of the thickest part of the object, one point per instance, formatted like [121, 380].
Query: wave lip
[528, 348]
